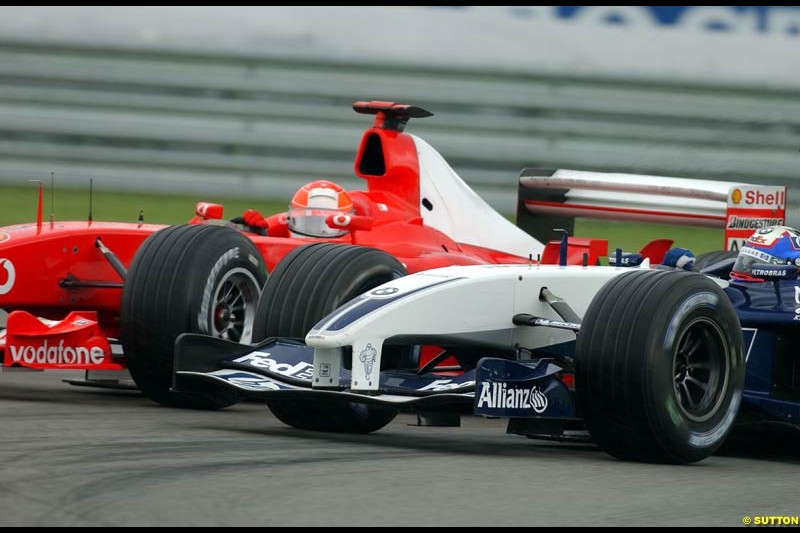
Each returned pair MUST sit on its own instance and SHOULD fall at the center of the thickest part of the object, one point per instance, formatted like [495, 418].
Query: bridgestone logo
[735, 222]
[57, 355]
[496, 395]
[203, 316]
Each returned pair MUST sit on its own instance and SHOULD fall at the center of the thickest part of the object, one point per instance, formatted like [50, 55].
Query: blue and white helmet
[774, 245]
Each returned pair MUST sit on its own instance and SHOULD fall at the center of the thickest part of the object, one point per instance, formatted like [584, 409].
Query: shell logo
[10, 277]
[736, 196]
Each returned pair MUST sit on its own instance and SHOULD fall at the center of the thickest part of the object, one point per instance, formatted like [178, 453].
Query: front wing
[282, 370]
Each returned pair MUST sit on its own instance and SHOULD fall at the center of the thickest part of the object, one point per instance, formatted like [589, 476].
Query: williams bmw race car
[144, 285]
[656, 373]
[662, 361]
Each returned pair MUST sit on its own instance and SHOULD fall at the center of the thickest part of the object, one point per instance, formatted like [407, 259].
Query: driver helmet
[312, 204]
[775, 245]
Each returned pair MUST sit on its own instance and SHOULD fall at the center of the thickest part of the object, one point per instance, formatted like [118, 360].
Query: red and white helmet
[313, 203]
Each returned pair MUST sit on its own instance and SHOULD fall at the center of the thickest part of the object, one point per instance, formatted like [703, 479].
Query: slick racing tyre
[307, 284]
[187, 279]
[659, 366]
[709, 258]
[709, 263]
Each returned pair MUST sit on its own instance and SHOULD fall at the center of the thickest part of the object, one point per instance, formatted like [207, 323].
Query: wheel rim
[700, 369]
[234, 306]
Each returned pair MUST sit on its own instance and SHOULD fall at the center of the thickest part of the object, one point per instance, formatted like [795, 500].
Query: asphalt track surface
[84, 457]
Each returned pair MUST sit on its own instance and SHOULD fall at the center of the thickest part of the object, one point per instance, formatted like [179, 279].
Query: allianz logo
[497, 395]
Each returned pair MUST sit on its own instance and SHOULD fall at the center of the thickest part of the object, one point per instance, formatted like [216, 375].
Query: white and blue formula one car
[658, 363]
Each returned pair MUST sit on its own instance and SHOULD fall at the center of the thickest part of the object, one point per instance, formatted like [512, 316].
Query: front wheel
[307, 284]
[659, 366]
[187, 279]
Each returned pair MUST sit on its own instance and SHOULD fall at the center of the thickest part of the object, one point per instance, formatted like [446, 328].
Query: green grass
[18, 205]
[631, 236]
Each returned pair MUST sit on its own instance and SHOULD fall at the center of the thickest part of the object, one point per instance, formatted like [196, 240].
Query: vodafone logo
[57, 354]
[4, 237]
[341, 220]
[7, 276]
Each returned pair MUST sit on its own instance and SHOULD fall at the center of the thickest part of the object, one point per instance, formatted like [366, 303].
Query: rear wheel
[187, 279]
[307, 284]
[659, 366]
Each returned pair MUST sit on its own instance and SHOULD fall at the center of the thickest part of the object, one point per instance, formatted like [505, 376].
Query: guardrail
[245, 126]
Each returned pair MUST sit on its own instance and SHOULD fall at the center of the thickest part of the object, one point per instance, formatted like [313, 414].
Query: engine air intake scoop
[389, 115]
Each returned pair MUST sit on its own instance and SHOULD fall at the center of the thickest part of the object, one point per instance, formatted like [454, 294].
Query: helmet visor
[311, 222]
[749, 257]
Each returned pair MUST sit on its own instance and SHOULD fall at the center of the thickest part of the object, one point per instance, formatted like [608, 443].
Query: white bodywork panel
[463, 215]
[472, 304]
[460, 213]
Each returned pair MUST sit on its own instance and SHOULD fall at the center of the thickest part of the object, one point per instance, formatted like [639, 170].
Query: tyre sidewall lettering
[697, 435]
[205, 312]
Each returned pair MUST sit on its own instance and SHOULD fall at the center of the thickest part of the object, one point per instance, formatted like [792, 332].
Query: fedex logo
[300, 370]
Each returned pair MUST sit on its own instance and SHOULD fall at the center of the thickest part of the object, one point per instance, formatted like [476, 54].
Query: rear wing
[550, 199]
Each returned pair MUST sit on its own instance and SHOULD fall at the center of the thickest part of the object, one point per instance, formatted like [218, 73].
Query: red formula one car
[128, 290]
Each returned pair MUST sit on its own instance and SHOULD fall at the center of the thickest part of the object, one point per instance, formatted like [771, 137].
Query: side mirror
[349, 222]
[625, 259]
[769, 272]
[208, 211]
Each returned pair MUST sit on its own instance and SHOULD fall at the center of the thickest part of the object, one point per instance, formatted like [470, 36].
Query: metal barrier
[259, 127]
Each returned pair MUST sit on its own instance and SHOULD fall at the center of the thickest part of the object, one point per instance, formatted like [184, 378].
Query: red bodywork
[77, 342]
[50, 270]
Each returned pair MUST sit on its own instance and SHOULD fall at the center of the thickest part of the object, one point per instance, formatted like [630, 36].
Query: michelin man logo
[797, 300]
[368, 356]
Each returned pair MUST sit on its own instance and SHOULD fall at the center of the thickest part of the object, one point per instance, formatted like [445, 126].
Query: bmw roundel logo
[385, 291]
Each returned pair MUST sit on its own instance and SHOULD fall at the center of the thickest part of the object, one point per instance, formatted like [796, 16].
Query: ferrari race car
[134, 287]
[651, 363]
